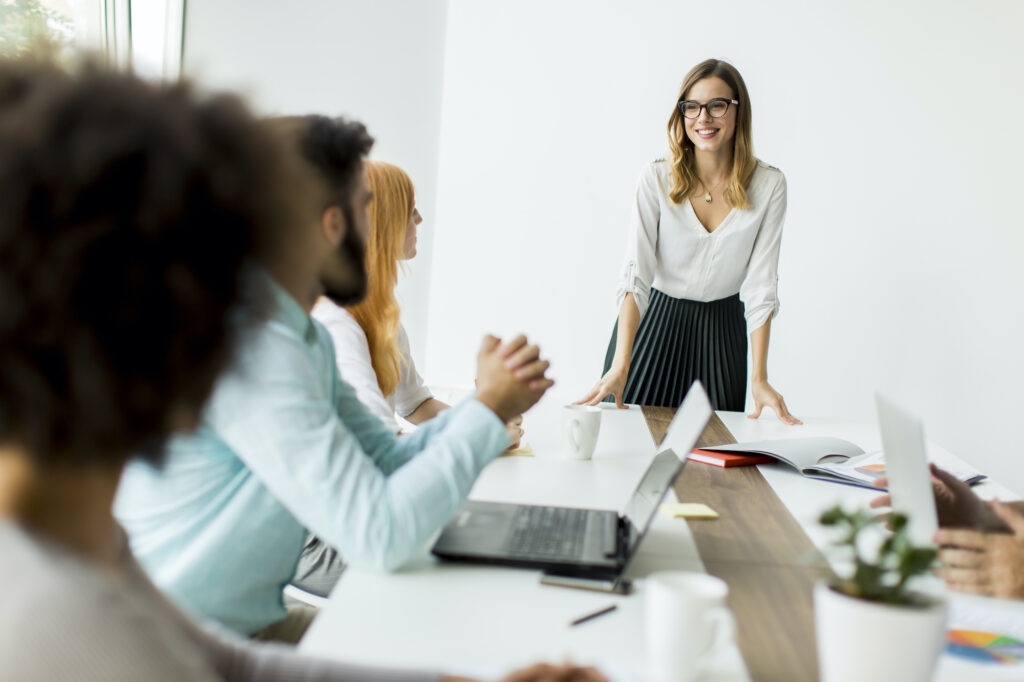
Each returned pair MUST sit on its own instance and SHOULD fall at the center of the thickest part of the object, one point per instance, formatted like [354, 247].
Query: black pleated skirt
[681, 341]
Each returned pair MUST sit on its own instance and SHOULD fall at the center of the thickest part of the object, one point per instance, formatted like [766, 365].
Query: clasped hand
[510, 376]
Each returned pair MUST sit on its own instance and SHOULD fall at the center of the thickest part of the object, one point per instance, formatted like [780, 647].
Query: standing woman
[701, 268]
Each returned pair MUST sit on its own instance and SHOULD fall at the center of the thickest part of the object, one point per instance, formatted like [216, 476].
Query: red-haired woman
[371, 346]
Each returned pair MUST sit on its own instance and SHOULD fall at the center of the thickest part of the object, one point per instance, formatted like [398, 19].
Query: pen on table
[595, 614]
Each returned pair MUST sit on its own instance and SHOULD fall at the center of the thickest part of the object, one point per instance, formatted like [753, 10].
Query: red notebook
[725, 459]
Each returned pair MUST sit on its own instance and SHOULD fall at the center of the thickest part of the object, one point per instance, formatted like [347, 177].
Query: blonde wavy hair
[684, 173]
[390, 210]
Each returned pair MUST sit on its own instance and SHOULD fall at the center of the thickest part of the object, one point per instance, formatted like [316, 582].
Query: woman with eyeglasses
[701, 270]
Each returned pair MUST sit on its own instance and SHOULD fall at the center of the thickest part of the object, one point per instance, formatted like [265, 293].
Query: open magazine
[830, 459]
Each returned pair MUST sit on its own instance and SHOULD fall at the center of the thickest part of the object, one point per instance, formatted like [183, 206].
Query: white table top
[486, 620]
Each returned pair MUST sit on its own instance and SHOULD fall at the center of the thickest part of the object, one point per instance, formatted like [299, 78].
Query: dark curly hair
[334, 149]
[128, 212]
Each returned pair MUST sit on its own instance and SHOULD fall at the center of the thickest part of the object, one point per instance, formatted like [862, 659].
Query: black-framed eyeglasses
[716, 107]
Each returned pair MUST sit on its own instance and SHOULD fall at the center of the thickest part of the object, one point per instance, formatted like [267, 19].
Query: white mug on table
[580, 427]
[686, 621]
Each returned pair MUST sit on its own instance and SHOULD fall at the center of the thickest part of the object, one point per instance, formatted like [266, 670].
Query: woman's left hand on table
[766, 396]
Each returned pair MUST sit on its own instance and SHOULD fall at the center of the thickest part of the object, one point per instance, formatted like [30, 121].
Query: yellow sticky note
[524, 450]
[688, 510]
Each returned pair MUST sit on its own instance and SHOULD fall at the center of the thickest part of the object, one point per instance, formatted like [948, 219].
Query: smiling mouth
[706, 132]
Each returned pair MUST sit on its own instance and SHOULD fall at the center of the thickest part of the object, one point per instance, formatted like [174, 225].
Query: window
[142, 34]
[29, 25]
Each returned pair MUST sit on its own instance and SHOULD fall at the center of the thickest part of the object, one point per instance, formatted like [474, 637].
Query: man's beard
[344, 276]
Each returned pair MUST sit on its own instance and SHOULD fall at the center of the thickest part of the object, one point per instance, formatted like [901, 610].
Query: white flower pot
[860, 640]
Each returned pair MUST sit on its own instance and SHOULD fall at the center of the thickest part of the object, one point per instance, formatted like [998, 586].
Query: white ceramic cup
[580, 426]
[686, 621]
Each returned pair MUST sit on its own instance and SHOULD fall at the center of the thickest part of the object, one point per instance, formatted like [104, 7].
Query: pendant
[707, 198]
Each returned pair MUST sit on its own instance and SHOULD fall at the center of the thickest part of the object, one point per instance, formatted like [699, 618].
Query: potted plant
[869, 625]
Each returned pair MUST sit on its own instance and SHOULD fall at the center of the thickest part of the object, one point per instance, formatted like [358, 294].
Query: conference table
[766, 544]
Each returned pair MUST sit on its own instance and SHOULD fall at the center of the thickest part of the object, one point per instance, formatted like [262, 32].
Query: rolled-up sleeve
[642, 244]
[760, 289]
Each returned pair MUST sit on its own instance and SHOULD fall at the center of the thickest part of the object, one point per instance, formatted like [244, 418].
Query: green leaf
[833, 516]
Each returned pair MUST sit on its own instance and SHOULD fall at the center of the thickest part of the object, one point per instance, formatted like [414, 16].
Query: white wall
[902, 257]
[377, 61]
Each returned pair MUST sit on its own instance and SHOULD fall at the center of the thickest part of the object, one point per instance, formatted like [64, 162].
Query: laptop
[906, 466]
[585, 543]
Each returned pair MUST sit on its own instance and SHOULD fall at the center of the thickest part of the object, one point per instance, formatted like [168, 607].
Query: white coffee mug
[580, 426]
[686, 621]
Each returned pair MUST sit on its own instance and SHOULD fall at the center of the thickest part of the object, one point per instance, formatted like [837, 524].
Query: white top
[352, 354]
[64, 618]
[670, 249]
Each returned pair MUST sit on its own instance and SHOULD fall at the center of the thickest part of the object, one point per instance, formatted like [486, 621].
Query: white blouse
[352, 355]
[669, 249]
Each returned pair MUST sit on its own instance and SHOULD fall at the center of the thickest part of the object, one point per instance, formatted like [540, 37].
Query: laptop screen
[686, 427]
[649, 494]
[906, 465]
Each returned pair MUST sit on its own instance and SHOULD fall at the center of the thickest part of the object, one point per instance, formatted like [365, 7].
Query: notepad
[687, 510]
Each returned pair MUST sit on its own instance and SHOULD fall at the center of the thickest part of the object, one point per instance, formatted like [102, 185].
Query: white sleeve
[642, 244]
[760, 289]
[411, 390]
[352, 355]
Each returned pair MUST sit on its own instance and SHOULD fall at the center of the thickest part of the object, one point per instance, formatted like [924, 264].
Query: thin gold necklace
[707, 193]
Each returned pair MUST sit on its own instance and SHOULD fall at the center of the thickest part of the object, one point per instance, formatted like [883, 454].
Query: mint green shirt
[285, 448]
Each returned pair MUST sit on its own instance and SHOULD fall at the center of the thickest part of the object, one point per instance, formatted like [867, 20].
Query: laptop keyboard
[548, 532]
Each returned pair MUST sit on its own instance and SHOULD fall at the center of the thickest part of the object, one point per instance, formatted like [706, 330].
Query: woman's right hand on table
[613, 383]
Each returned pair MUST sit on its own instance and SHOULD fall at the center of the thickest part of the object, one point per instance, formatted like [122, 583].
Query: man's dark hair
[127, 213]
[335, 149]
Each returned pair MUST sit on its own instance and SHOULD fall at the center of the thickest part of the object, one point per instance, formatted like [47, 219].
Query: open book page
[832, 459]
[864, 469]
[860, 470]
[799, 453]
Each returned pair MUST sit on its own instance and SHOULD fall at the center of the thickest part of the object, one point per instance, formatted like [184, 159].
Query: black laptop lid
[640, 510]
[682, 434]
